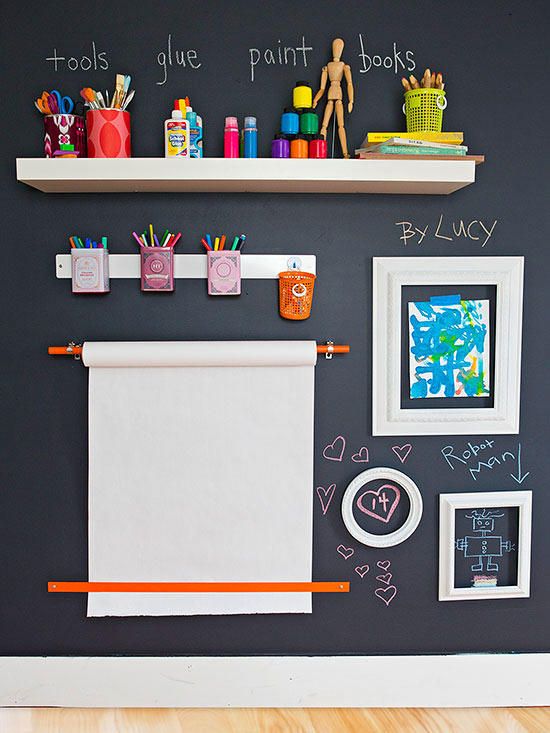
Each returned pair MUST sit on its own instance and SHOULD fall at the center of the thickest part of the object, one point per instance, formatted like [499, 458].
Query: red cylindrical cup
[318, 148]
[108, 133]
[64, 130]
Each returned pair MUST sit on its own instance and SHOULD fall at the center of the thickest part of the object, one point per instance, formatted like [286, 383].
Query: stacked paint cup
[299, 131]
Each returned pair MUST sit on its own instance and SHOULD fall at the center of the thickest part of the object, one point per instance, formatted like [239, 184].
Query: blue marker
[250, 138]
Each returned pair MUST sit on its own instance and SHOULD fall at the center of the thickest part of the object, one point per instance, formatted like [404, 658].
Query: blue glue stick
[250, 138]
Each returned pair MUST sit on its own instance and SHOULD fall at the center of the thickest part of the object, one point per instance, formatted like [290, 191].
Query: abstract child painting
[449, 347]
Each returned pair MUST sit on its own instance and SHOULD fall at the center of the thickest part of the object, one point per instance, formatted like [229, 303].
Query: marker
[151, 233]
[88, 243]
[222, 242]
[138, 240]
[205, 244]
[216, 243]
[94, 245]
[72, 242]
[164, 238]
[209, 241]
[156, 240]
[242, 239]
[104, 242]
[173, 244]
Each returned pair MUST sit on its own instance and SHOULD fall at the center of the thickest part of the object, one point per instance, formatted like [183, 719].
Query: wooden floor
[469, 720]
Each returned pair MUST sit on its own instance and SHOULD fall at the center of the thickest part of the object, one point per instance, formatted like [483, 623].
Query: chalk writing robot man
[485, 547]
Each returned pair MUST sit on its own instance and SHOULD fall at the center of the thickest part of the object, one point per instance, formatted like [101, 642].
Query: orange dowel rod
[334, 349]
[63, 351]
[321, 349]
[116, 587]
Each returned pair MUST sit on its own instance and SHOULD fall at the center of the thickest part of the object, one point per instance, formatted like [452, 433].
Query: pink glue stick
[231, 138]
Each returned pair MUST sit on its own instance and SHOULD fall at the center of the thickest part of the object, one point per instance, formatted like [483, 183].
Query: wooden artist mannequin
[335, 70]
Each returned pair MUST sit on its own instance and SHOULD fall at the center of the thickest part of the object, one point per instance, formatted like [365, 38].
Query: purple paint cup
[280, 147]
[64, 130]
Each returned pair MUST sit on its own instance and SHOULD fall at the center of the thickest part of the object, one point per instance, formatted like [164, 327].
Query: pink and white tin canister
[108, 133]
[64, 130]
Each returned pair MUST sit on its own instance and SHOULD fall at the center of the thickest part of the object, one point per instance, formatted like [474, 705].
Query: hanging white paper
[201, 469]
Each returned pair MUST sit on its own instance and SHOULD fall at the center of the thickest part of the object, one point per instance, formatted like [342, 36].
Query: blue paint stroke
[448, 343]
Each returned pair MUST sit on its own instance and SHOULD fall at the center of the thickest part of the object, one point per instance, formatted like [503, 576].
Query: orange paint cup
[299, 147]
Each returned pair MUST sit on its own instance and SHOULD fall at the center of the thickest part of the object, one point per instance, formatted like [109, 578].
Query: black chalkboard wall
[494, 57]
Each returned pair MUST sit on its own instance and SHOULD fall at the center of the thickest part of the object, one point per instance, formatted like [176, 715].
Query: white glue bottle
[176, 136]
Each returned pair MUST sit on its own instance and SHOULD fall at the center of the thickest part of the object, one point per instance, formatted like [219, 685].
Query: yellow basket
[423, 109]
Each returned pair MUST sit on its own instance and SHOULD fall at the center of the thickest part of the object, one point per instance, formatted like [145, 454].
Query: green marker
[235, 242]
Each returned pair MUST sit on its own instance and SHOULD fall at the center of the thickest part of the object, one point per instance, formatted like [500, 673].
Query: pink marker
[231, 138]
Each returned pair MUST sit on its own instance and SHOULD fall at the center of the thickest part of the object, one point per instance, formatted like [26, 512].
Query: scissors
[59, 104]
[42, 104]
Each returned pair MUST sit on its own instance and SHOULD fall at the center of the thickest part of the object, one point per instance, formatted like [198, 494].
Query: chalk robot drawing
[484, 546]
[449, 347]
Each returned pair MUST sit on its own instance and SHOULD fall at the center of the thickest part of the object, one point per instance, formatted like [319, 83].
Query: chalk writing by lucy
[95, 60]
[279, 55]
[476, 229]
[188, 59]
[393, 61]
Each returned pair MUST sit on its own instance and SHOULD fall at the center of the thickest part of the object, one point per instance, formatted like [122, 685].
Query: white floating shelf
[389, 174]
[253, 267]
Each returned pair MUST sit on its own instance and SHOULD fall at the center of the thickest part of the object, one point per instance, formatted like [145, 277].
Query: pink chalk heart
[346, 552]
[402, 451]
[362, 456]
[335, 451]
[383, 564]
[386, 594]
[380, 504]
[325, 496]
[385, 578]
[362, 570]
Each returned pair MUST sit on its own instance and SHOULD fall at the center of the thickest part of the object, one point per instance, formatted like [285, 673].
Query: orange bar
[321, 349]
[64, 350]
[116, 587]
[333, 349]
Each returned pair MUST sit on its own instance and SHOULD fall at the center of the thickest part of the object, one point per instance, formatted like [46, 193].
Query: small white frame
[390, 275]
[391, 538]
[448, 504]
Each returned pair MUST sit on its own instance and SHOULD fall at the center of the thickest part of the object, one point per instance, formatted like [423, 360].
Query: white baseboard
[465, 680]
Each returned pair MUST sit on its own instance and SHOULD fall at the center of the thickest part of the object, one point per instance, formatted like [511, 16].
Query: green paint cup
[309, 123]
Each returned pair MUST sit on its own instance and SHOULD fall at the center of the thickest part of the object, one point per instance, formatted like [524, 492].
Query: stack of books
[412, 143]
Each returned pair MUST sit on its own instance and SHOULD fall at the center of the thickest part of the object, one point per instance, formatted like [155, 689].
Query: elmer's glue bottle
[176, 136]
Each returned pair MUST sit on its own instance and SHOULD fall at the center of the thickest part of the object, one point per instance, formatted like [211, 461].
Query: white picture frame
[391, 538]
[390, 275]
[448, 505]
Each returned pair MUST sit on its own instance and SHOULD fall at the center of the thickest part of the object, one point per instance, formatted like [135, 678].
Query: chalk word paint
[279, 55]
[390, 61]
[95, 60]
[188, 59]
[481, 456]
[476, 230]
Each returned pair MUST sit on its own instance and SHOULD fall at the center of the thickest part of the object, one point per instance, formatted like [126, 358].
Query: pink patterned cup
[108, 133]
[64, 130]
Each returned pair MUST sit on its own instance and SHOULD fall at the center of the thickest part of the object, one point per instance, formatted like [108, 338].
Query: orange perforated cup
[295, 294]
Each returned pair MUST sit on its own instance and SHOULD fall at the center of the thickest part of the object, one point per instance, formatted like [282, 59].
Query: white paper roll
[199, 353]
